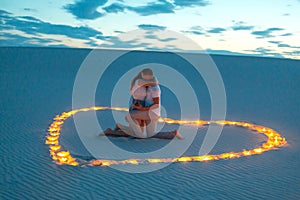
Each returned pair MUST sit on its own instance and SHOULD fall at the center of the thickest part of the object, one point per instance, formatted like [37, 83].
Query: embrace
[144, 110]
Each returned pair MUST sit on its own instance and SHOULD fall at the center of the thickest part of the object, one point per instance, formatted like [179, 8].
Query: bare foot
[178, 135]
[117, 128]
[106, 132]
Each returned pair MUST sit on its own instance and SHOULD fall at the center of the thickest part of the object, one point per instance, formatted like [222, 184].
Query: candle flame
[274, 141]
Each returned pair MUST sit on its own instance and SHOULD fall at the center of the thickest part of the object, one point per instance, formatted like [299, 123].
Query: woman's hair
[146, 71]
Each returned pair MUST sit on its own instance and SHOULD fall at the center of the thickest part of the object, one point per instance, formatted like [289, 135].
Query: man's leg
[161, 135]
[151, 129]
[115, 133]
[168, 135]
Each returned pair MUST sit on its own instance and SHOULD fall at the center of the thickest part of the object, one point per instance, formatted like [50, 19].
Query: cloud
[241, 26]
[165, 49]
[216, 30]
[275, 29]
[117, 31]
[167, 39]
[197, 32]
[116, 42]
[287, 34]
[4, 13]
[262, 52]
[224, 52]
[164, 6]
[151, 27]
[196, 28]
[30, 31]
[284, 45]
[275, 42]
[292, 53]
[194, 32]
[154, 37]
[102, 37]
[262, 34]
[14, 39]
[144, 40]
[30, 9]
[266, 52]
[266, 33]
[85, 9]
[35, 27]
[115, 8]
[153, 8]
[92, 43]
[191, 3]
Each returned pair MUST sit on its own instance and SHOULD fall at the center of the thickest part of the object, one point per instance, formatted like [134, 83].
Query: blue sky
[254, 27]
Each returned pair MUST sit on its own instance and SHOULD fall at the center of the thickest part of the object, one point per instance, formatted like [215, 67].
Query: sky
[249, 27]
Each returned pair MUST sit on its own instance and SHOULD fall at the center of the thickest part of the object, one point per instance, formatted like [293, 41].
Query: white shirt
[153, 92]
[140, 93]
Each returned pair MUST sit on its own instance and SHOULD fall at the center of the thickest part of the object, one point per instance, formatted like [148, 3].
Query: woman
[138, 90]
[144, 110]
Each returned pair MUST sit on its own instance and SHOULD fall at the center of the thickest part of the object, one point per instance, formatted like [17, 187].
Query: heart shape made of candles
[60, 156]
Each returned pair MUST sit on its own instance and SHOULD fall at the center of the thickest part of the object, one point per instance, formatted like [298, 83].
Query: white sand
[36, 84]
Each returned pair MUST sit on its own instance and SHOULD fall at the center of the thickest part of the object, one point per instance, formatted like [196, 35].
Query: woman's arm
[153, 106]
[152, 82]
[143, 83]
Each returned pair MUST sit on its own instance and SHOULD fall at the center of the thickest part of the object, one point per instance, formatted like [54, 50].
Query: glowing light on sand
[64, 157]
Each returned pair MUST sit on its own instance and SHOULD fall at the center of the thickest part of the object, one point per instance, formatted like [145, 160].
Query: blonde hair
[146, 71]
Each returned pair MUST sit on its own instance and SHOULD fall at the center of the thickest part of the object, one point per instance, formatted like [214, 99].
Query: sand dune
[36, 84]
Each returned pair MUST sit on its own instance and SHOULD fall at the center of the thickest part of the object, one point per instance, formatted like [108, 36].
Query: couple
[144, 110]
